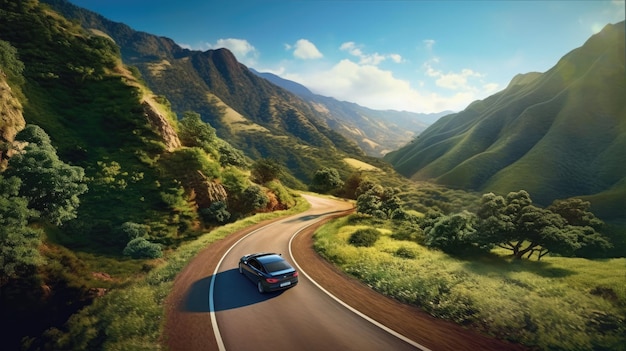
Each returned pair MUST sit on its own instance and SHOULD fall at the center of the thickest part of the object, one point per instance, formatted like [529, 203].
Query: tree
[544, 231]
[51, 186]
[451, 233]
[19, 243]
[584, 223]
[235, 181]
[378, 201]
[513, 223]
[351, 185]
[576, 212]
[326, 179]
[229, 156]
[368, 203]
[132, 230]
[255, 199]
[195, 132]
[265, 170]
[10, 65]
[216, 212]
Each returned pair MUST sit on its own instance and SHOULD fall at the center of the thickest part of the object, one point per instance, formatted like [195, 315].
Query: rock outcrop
[11, 120]
[162, 126]
[205, 191]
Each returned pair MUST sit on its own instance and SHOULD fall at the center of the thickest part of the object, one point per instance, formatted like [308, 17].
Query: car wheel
[259, 287]
[240, 269]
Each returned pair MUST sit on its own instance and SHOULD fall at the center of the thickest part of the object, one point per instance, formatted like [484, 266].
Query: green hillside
[98, 176]
[557, 134]
[290, 130]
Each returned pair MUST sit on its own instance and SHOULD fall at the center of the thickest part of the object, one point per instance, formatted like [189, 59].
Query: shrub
[132, 230]
[405, 252]
[407, 231]
[216, 212]
[142, 248]
[285, 197]
[364, 237]
[255, 199]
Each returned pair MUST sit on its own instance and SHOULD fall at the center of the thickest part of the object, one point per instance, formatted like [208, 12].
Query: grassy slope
[550, 304]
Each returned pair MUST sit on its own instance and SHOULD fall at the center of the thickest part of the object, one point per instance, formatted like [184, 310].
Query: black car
[269, 271]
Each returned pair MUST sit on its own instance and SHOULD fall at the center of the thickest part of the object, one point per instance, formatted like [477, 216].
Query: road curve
[212, 307]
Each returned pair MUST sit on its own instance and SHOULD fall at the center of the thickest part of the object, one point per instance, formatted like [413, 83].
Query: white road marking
[354, 310]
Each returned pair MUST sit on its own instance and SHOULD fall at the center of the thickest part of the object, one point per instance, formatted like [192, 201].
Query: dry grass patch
[360, 165]
[235, 120]
[157, 68]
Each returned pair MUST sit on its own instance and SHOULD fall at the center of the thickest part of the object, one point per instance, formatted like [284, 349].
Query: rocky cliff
[11, 119]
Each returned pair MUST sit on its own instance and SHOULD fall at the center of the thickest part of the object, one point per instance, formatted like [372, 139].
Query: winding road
[213, 307]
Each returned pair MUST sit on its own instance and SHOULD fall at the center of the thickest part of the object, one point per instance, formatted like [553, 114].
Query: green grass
[556, 303]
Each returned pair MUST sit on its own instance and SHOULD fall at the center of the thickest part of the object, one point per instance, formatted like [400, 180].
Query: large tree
[451, 233]
[195, 132]
[51, 186]
[266, 169]
[378, 201]
[325, 180]
[514, 223]
[584, 224]
[19, 254]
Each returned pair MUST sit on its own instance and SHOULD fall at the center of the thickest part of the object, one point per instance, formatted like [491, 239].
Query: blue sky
[414, 55]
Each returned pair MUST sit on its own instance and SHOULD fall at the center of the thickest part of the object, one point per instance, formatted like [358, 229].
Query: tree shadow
[493, 264]
[232, 290]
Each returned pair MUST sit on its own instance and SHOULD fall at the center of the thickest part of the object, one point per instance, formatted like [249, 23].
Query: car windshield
[277, 266]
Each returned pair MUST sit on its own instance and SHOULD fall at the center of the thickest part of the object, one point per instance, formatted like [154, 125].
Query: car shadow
[232, 290]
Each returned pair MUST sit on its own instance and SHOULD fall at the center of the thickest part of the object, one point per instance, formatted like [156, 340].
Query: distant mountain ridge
[557, 134]
[208, 81]
[376, 131]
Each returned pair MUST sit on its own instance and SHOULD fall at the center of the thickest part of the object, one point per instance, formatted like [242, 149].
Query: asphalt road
[303, 317]
[213, 307]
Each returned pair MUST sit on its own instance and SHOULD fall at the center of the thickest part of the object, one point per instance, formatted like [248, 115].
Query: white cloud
[454, 80]
[396, 58]
[241, 48]
[369, 85]
[305, 50]
[368, 59]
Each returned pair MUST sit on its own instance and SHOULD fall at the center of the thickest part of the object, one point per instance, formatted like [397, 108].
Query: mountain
[254, 115]
[558, 134]
[376, 131]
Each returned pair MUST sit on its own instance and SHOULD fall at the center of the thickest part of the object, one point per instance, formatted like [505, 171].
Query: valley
[127, 161]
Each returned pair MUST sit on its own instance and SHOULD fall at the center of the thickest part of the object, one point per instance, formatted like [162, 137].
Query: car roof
[258, 255]
[266, 258]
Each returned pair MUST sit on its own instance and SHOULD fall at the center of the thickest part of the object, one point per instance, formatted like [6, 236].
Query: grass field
[556, 303]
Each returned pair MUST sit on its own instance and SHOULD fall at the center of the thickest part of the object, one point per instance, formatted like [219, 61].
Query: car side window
[254, 263]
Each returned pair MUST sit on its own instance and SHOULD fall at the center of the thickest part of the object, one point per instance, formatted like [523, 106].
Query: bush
[216, 212]
[407, 231]
[405, 252]
[256, 199]
[142, 248]
[132, 230]
[364, 237]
